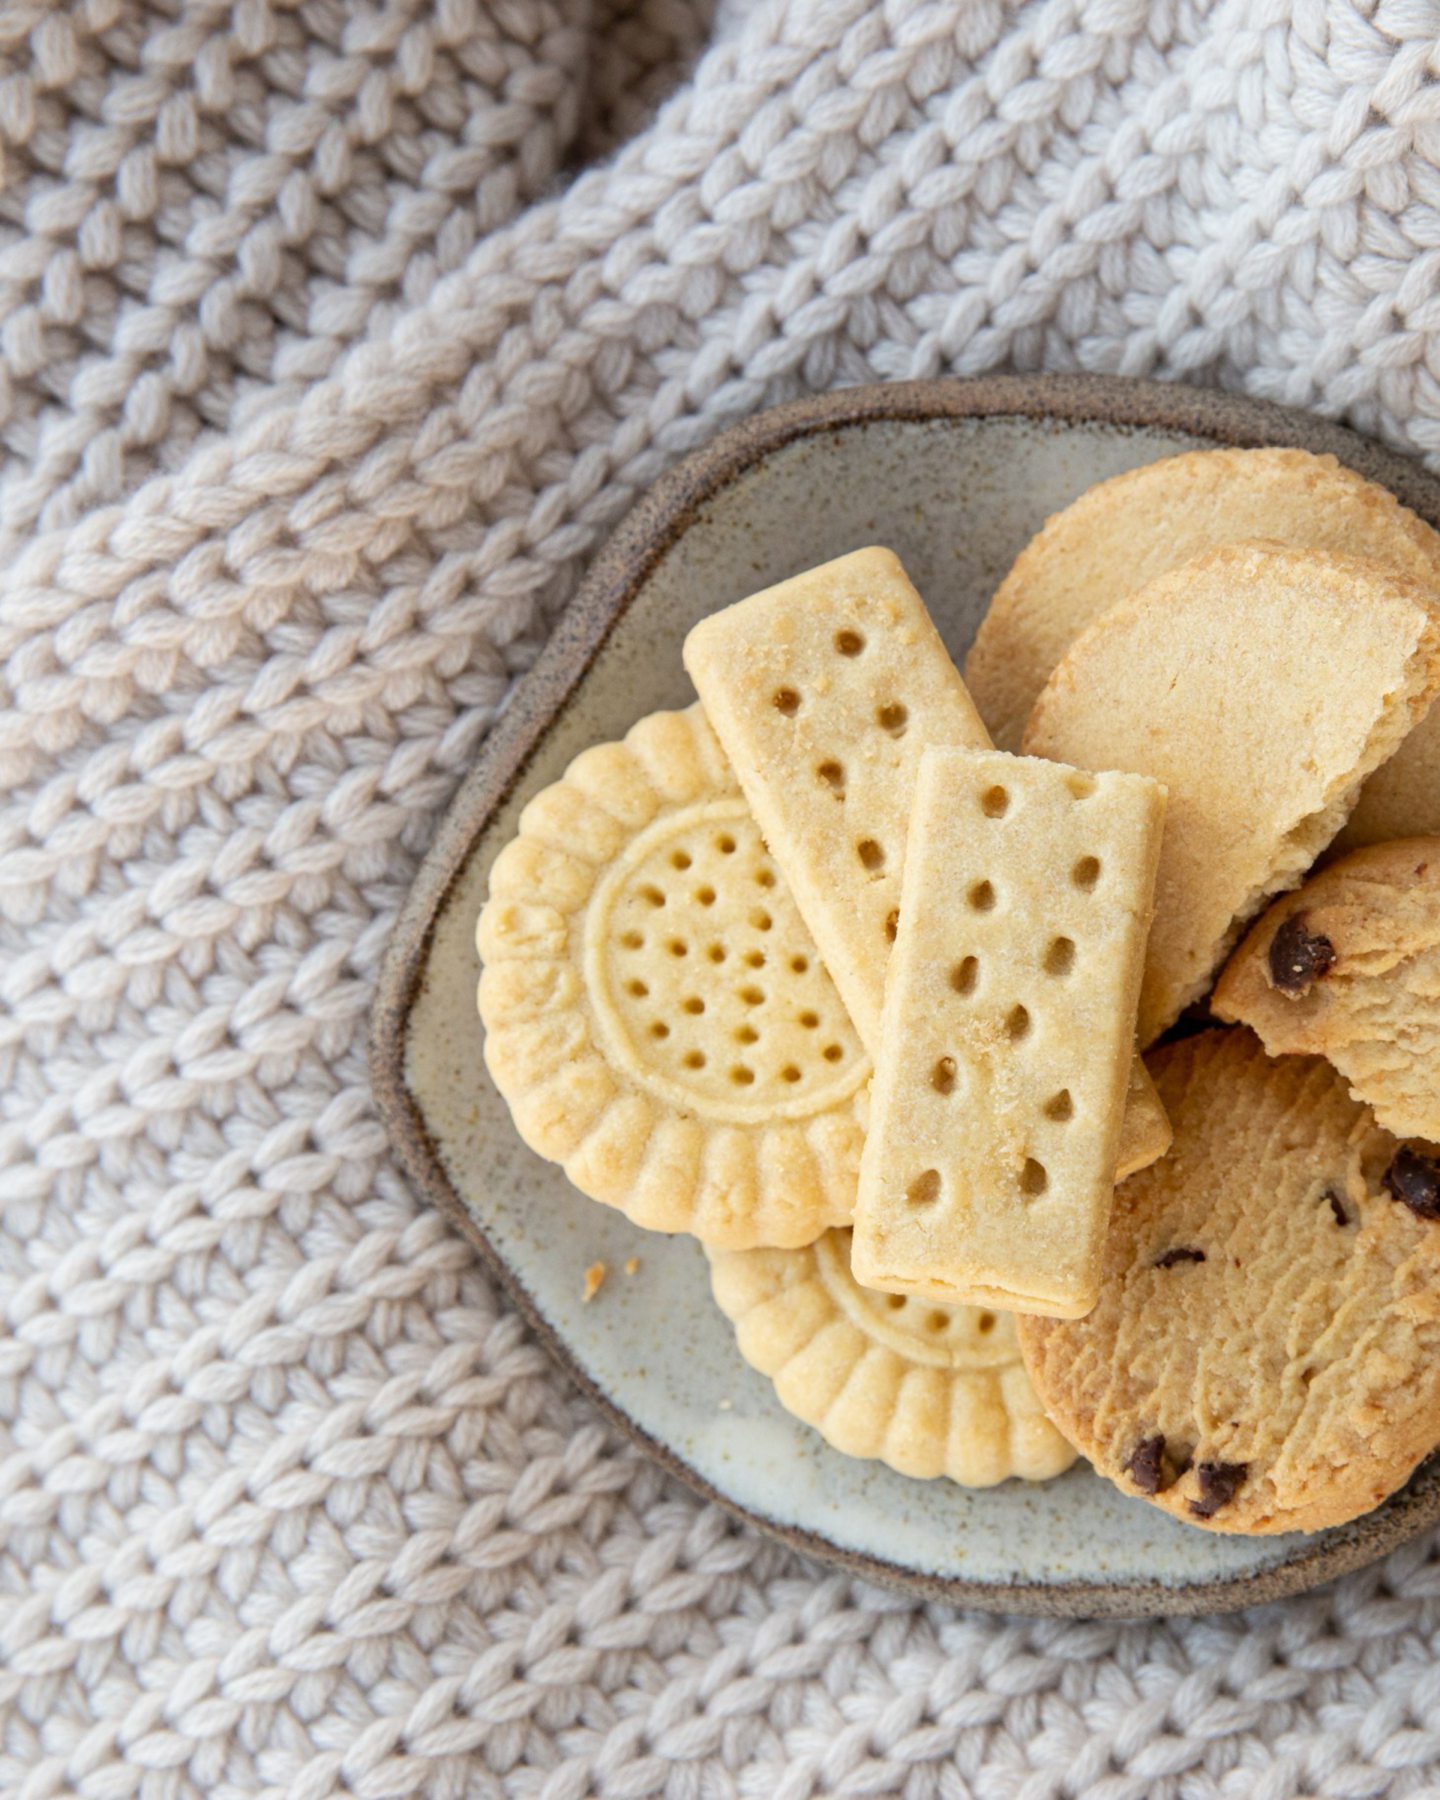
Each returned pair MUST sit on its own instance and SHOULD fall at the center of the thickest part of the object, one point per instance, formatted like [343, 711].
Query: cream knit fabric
[330, 348]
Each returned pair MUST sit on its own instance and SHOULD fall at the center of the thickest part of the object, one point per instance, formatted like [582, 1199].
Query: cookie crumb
[1414, 1180]
[1219, 1484]
[725, 1405]
[632, 1265]
[1298, 957]
[594, 1281]
[1172, 1257]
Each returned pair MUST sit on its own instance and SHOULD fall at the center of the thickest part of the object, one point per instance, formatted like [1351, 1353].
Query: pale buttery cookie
[1261, 686]
[1348, 967]
[1265, 1354]
[1144, 1129]
[1008, 1032]
[1402, 797]
[656, 1014]
[1124, 532]
[824, 691]
[930, 1390]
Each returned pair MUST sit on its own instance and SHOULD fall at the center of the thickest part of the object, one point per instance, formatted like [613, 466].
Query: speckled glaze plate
[955, 477]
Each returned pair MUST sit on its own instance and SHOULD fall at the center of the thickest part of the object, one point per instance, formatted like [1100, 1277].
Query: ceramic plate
[955, 477]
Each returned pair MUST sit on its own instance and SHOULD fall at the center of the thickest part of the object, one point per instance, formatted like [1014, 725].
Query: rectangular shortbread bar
[1007, 1037]
[824, 691]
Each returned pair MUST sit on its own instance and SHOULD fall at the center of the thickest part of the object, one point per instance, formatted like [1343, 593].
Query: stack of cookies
[884, 983]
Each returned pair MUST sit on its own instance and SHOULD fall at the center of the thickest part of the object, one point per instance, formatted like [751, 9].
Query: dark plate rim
[617, 574]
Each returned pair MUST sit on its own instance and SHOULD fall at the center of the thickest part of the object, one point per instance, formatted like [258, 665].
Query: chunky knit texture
[330, 347]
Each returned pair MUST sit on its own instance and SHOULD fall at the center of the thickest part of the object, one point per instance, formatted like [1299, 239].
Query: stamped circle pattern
[930, 1390]
[922, 1331]
[656, 1015]
[707, 981]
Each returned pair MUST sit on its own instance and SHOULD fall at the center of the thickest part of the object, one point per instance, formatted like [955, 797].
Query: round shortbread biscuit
[929, 1389]
[1124, 532]
[1265, 1355]
[1261, 686]
[656, 1015]
[1348, 968]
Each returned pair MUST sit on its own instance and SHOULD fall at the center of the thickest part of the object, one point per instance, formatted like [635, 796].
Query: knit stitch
[329, 352]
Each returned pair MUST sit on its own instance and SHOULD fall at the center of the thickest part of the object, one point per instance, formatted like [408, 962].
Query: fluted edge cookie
[1265, 1354]
[1348, 968]
[928, 1389]
[824, 691]
[656, 1014]
[1261, 685]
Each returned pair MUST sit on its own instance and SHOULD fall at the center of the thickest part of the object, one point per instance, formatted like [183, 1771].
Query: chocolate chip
[1171, 1257]
[1298, 957]
[1155, 1465]
[1146, 1465]
[1341, 1216]
[1219, 1484]
[1414, 1180]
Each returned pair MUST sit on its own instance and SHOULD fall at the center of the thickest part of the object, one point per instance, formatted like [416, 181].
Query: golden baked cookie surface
[1219, 680]
[1124, 532]
[1008, 1032]
[705, 984]
[927, 1388]
[1265, 1355]
[656, 1014]
[824, 691]
[1348, 968]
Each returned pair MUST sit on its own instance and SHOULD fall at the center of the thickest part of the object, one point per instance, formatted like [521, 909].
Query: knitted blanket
[333, 339]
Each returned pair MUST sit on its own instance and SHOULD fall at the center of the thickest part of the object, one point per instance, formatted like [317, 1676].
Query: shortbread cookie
[1008, 1032]
[1265, 1354]
[824, 691]
[1126, 531]
[1260, 686]
[656, 1014]
[1348, 967]
[930, 1390]
[1402, 797]
[1145, 1133]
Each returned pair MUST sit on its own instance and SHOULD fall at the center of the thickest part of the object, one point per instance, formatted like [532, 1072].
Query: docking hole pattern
[656, 1012]
[997, 803]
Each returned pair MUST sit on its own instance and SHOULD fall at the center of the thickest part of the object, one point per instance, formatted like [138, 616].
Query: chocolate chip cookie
[1348, 967]
[1265, 1355]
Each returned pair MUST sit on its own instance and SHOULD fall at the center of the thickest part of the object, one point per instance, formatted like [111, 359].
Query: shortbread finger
[824, 691]
[1008, 1033]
